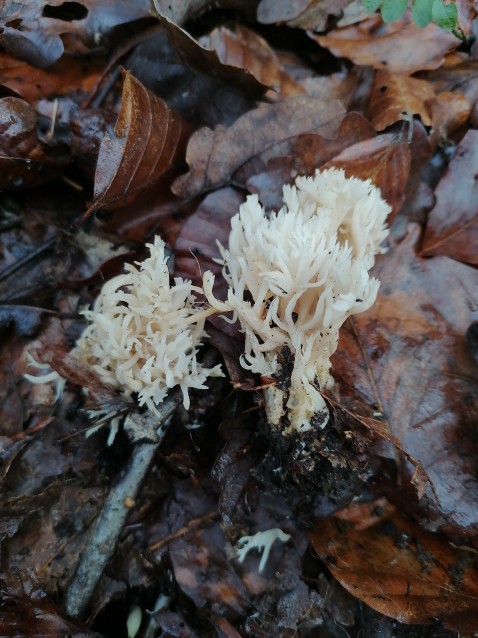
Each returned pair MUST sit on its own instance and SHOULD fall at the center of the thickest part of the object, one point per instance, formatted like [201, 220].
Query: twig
[107, 528]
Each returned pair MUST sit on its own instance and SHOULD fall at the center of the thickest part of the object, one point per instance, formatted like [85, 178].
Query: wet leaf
[407, 355]
[398, 568]
[452, 227]
[23, 161]
[401, 47]
[213, 156]
[398, 97]
[147, 141]
[27, 610]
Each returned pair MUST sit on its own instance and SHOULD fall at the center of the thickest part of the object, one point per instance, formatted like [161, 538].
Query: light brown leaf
[385, 160]
[449, 111]
[148, 138]
[397, 568]
[400, 47]
[302, 14]
[214, 155]
[396, 97]
[452, 227]
[246, 49]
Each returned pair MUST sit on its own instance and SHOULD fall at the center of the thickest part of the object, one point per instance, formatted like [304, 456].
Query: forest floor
[119, 122]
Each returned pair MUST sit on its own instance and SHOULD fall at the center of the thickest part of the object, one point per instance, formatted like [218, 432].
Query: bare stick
[107, 528]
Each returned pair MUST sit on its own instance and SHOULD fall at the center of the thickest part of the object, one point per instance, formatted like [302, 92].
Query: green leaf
[371, 5]
[422, 12]
[393, 9]
[445, 15]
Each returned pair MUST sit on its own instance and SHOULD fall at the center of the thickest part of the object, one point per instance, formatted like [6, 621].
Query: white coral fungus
[143, 334]
[262, 541]
[296, 276]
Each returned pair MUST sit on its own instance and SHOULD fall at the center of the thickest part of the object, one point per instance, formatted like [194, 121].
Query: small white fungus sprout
[143, 334]
[295, 276]
[262, 541]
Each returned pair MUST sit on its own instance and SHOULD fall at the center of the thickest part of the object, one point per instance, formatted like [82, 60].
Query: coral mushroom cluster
[295, 276]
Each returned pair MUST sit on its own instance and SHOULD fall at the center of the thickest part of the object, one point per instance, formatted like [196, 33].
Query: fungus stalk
[294, 278]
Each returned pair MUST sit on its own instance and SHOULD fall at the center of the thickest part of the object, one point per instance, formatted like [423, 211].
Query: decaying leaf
[37, 31]
[304, 14]
[308, 152]
[213, 156]
[148, 138]
[400, 47]
[398, 568]
[452, 227]
[407, 355]
[398, 97]
[449, 111]
[246, 49]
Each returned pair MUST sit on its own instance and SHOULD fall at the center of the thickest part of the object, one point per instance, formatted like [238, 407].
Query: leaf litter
[216, 104]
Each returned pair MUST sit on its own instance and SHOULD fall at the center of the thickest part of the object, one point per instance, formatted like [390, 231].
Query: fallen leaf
[400, 47]
[449, 111]
[308, 153]
[397, 568]
[23, 160]
[27, 610]
[398, 97]
[408, 357]
[181, 10]
[213, 156]
[452, 227]
[31, 83]
[385, 160]
[246, 49]
[302, 14]
[40, 32]
[148, 138]
[174, 66]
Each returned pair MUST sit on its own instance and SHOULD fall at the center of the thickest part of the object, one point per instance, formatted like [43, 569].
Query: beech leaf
[214, 155]
[408, 355]
[396, 97]
[453, 224]
[148, 139]
[397, 568]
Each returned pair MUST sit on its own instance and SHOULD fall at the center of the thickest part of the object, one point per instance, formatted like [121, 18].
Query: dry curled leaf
[148, 139]
[398, 568]
[214, 155]
[452, 227]
[396, 97]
